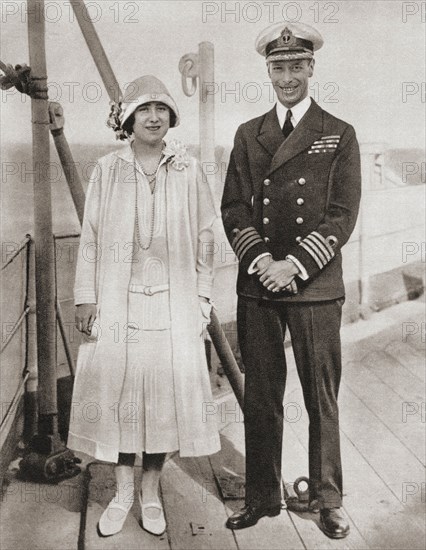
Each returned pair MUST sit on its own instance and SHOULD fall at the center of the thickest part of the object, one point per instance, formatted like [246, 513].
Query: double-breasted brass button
[267, 182]
[301, 181]
[298, 239]
[265, 221]
[300, 201]
[266, 201]
[299, 221]
[266, 239]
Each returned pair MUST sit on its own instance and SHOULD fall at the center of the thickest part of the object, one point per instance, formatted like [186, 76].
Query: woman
[142, 295]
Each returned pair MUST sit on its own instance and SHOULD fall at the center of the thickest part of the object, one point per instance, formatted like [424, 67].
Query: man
[290, 203]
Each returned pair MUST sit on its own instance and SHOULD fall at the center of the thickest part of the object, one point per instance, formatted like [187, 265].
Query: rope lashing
[21, 78]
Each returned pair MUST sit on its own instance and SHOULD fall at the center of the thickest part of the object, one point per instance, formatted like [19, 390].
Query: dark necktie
[288, 126]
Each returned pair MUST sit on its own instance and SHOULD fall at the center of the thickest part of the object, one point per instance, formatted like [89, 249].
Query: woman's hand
[206, 309]
[85, 315]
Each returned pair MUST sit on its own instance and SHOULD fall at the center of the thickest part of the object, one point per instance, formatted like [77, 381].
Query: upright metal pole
[207, 125]
[96, 49]
[31, 406]
[43, 235]
[46, 457]
[201, 65]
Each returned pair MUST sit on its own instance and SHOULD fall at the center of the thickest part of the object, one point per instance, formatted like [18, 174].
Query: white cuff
[84, 296]
[303, 273]
[204, 285]
[252, 267]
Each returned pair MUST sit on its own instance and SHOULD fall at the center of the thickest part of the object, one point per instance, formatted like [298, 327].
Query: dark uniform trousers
[296, 198]
[261, 330]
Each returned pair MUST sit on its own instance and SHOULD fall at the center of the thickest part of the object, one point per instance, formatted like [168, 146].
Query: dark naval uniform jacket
[297, 197]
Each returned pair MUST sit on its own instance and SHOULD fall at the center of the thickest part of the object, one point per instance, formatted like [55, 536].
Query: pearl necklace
[151, 176]
[154, 179]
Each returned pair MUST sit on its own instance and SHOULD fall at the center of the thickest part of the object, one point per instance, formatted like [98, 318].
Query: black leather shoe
[250, 515]
[333, 523]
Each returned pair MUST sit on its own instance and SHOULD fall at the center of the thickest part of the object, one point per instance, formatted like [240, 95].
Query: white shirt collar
[297, 111]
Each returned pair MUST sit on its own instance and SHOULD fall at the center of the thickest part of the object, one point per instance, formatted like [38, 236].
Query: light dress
[147, 411]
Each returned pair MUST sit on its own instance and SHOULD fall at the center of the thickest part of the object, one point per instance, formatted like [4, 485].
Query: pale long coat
[102, 277]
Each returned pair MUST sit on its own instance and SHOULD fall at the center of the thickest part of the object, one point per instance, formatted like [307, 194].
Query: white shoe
[154, 526]
[113, 517]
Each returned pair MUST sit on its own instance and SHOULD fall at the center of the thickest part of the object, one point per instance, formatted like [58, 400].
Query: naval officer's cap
[287, 41]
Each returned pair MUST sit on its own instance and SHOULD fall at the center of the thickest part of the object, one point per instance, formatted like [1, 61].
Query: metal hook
[188, 67]
[300, 502]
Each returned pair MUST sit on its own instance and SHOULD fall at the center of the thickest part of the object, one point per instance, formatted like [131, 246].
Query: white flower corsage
[177, 153]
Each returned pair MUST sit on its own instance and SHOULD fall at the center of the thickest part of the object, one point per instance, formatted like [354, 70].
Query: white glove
[206, 309]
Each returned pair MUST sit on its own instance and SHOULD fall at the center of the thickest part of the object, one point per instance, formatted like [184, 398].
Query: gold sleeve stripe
[316, 248]
[240, 235]
[321, 246]
[242, 241]
[325, 242]
[243, 252]
[312, 253]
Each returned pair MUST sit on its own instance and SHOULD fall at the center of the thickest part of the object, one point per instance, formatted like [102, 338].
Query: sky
[370, 71]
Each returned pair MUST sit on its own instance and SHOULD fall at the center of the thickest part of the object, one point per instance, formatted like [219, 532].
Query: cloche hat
[144, 90]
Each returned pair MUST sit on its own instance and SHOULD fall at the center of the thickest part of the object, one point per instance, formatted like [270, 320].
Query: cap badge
[286, 36]
[154, 96]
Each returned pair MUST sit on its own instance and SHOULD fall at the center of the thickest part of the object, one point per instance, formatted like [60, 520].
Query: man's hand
[85, 315]
[262, 264]
[278, 275]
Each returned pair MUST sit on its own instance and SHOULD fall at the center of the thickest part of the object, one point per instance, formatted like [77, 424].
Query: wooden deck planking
[273, 533]
[389, 371]
[417, 344]
[101, 491]
[294, 465]
[409, 359]
[380, 454]
[396, 376]
[389, 523]
[387, 406]
[379, 516]
[392, 462]
[398, 336]
[393, 465]
[417, 341]
[372, 438]
[190, 496]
